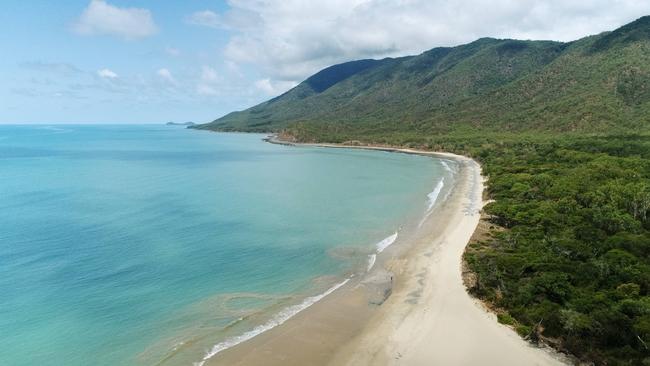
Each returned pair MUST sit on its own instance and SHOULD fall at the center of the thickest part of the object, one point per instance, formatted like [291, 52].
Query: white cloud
[101, 18]
[172, 51]
[209, 75]
[265, 86]
[107, 74]
[208, 82]
[233, 67]
[52, 67]
[203, 89]
[289, 40]
[273, 88]
[205, 18]
[166, 76]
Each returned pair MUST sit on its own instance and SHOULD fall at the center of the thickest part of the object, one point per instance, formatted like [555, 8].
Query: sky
[153, 61]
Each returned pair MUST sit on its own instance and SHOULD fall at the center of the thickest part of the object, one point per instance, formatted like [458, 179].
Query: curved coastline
[376, 320]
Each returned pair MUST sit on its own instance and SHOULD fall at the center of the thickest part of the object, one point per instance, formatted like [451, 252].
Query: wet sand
[410, 309]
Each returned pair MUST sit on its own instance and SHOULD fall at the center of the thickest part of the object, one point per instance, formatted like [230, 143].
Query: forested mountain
[562, 131]
[596, 84]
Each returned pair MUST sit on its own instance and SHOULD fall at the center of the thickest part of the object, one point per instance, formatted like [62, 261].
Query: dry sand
[429, 319]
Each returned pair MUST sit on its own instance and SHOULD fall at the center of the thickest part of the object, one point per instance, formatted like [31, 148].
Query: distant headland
[180, 123]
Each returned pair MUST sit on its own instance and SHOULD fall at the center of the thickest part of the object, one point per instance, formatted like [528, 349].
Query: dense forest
[573, 265]
[562, 133]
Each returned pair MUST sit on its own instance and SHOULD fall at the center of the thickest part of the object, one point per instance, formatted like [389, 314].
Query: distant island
[180, 124]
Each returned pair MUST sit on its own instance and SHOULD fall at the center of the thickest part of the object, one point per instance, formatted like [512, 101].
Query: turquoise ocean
[154, 245]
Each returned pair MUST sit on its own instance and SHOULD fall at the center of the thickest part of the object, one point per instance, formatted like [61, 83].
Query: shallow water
[143, 245]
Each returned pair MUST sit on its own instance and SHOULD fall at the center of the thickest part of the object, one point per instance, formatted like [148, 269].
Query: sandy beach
[428, 317]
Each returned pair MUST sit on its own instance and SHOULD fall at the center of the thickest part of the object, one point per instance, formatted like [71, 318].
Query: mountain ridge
[593, 84]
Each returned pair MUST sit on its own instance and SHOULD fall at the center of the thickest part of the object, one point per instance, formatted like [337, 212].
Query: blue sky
[51, 72]
[144, 61]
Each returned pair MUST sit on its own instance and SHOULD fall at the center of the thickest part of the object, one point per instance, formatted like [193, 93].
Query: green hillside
[596, 84]
[562, 131]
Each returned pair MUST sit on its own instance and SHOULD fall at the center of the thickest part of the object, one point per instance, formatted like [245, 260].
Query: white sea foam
[433, 196]
[386, 242]
[278, 319]
[53, 128]
[446, 166]
[446, 195]
[371, 261]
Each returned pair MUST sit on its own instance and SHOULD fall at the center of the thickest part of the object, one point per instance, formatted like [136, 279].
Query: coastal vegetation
[562, 133]
[573, 266]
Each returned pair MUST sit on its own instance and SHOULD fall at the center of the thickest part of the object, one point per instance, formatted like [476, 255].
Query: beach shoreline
[411, 309]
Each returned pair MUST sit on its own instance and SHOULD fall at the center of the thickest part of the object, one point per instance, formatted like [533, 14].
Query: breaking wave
[386, 242]
[278, 319]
